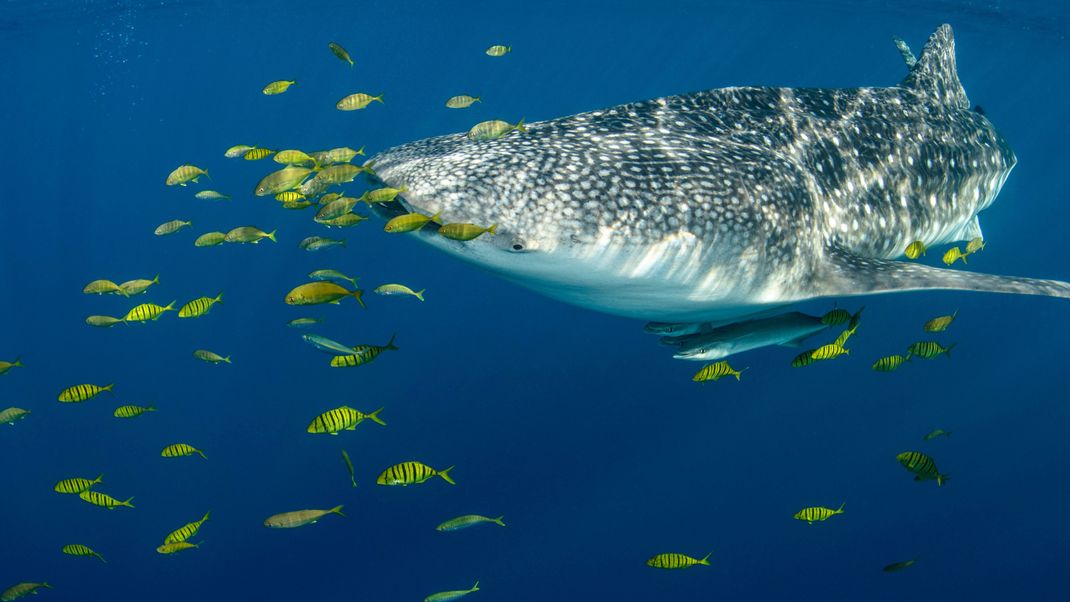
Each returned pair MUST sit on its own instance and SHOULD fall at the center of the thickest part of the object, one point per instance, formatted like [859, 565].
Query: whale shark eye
[518, 247]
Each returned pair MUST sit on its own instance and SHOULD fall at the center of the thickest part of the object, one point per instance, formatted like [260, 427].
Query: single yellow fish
[299, 518]
[178, 546]
[179, 450]
[147, 311]
[677, 561]
[409, 473]
[817, 513]
[200, 306]
[915, 250]
[278, 87]
[462, 101]
[954, 254]
[77, 549]
[491, 130]
[465, 232]
[101, 287]
[409, 222]
[79, 393]
[315, 293]
[499, 50]
[184, 174]
[340, 52]
[357, 101]
[940, 323]
[715, 371]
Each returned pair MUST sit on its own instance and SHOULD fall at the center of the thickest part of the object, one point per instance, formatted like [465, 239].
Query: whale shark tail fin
[846, 274]
[935, 75]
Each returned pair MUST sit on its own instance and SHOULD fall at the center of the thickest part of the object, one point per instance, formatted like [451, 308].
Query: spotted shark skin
[724, 203]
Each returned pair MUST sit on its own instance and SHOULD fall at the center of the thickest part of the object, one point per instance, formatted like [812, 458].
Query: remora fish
[723, 203]
[788, 329]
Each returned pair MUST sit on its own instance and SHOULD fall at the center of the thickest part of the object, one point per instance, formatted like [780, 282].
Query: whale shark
[727, 203]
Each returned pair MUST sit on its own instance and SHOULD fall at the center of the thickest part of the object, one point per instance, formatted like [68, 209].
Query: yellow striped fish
[178, 450]
[186, 531]
[76, 485]
[79, 393]
[344, 418]
[499, 50]
[22, 589]
[915, 250]
[673, 560]
[408, 473]
[929, 349]
[940, 323]
[256, 154]
[198, 307]
[147, 311]
[803, 359]
[975, 245]
[494, 129]
[818, 513]
[104, 500]
[183, 174]
[715, 371]
[132, 411]
[835, 317]
[77, 549]
[462, 101]
[357, 101]
[343, 221]
[828, 352]
[362, 354]
[289, 196]
[954, 254]
[841, 340]
[922, 466]
[890, 363]
[178, 546]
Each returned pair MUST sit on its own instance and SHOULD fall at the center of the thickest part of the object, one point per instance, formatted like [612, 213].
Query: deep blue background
[576, 426]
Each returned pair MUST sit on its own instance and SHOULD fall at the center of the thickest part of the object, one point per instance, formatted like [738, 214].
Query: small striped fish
[211, 357]
[462, 101]
[940, 323]
[715, 371]
[77, 549]
[132, 411]
[344, 418]
[828, 352]
[80, 393]
[677, 561]
[177, 450]
[147, 311]
[929, 349]
[198, 307]
[817, 513]
[836, 317]
[803, 359]
[468, 520]
[186, 531]
[922, 466]
[915, 250]
[104, 500]
[76, 485]
[408, 473]
[184, 174]
[10, 415]
[256, 154]
[362, 354]
[890, 363]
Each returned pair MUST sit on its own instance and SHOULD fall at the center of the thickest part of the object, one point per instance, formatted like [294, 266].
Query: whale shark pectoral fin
[846, 274]
[969, 231]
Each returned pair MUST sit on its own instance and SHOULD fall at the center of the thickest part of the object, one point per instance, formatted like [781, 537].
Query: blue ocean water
[576, 426]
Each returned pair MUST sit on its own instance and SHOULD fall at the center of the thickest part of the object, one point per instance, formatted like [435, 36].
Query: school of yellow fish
[303, 182]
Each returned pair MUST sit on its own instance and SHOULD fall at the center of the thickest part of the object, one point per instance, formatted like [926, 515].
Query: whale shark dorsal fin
[935, 75]
[847, 274]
